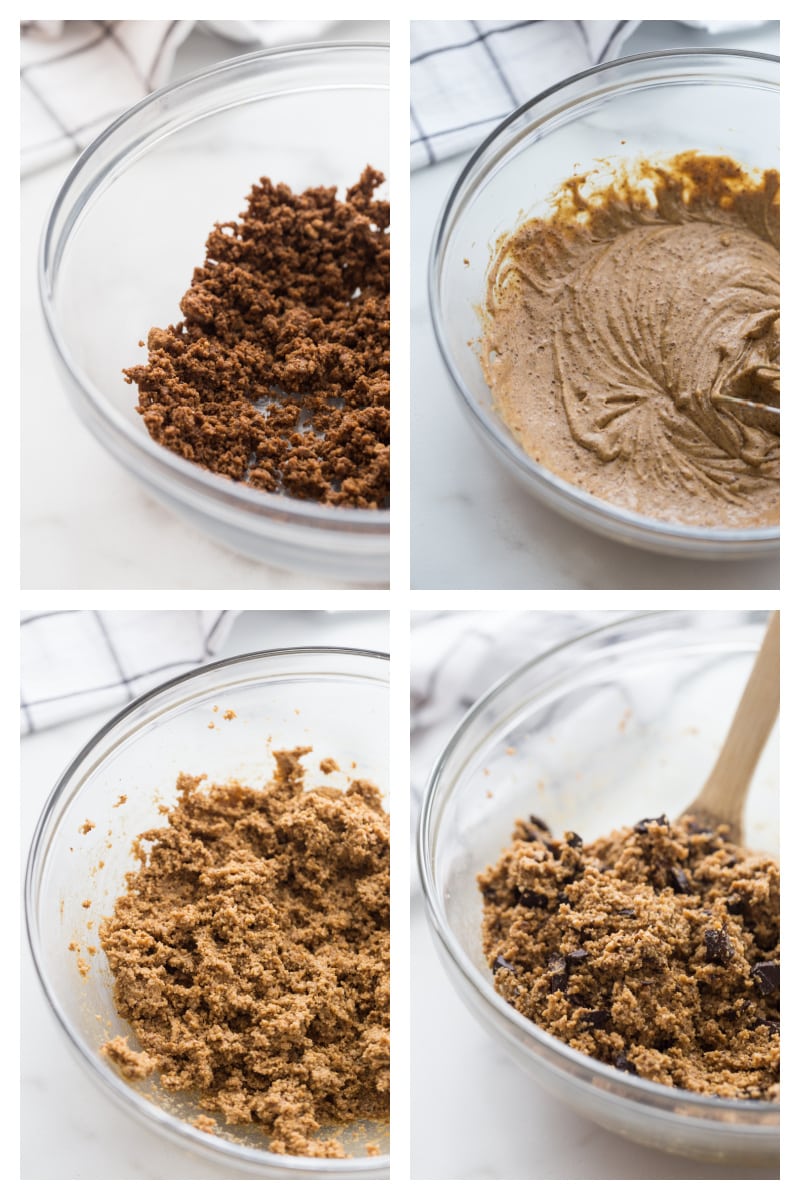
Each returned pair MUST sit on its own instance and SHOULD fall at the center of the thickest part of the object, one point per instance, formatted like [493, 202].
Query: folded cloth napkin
[76, 662]
[466, 76]
[77, 76]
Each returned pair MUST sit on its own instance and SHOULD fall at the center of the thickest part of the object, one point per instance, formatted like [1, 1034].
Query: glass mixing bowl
[128, 228]
[335, 700]
[605, 729]
[717, 102]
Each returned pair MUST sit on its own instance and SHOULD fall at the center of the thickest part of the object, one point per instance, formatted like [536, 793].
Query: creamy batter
[617, 328]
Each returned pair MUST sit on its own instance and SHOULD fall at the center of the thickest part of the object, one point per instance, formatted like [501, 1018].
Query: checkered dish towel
[77, 662]
[466, 76]
[78, 76]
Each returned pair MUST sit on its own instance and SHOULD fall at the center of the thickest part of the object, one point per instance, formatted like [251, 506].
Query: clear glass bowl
[335, 700]
[718, 102]
[129, 226]
[605, 729]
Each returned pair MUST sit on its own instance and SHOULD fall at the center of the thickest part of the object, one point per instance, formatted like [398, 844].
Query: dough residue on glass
[250, 955]
[619, 327]
[655, 950]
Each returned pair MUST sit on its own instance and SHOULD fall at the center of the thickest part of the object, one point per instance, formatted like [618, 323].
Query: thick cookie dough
[278, 374]
[616, 326]
[655, 950]
[250, 955]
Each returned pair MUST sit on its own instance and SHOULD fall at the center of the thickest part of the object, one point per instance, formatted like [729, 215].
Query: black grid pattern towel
[466, 76]
[76, 662]
[78, 76]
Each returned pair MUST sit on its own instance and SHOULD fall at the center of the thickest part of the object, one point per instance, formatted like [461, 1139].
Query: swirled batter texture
[655, 950]
[618, 328]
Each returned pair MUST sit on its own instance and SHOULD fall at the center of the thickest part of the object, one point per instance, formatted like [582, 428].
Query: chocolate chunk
[574, 840]
[545, 828]
[622, 1064]
[503, 964]
[767, 976]
[736, 905]
[641, 826]
[719, 948]
[532, 899]
[576, 956]
[625, 912]
[557, 970]
[598, 1018]
[562, 898]
[680, 882]
[772, 1026]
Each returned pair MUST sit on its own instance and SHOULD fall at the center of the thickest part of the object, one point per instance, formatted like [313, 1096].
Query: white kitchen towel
[78, 76]
[457, 656]
[467, 76]
[75, 662]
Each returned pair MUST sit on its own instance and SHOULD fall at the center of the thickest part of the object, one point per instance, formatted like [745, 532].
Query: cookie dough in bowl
[604, 291]
[207, 906]
[605, 739]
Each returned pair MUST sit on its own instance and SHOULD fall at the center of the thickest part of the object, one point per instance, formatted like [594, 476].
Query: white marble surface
[472, 525]
[69, 1129]
[85, 521]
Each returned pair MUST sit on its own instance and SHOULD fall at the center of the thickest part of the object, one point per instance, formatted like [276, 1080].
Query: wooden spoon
[722, 798]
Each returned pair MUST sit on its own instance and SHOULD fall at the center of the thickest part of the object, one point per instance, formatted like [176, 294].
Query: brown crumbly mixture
[131, 1064]
[250, 954]
[655, 950]
[278, 374]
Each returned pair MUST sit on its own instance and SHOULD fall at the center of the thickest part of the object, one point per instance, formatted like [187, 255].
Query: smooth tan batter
[250, 955]
[615, 328]
[655, 950]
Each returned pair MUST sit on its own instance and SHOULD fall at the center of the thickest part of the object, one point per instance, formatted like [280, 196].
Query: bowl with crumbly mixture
[207, 901]
[628, 960]
[215, 279]
[604, 285]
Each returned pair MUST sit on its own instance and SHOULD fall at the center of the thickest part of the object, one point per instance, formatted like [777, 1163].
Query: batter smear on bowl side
[655, 950]
[278, 374]
[621, 328]
[250, 955]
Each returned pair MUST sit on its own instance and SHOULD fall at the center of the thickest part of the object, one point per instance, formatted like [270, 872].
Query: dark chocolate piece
[719, 948]
[767, 977]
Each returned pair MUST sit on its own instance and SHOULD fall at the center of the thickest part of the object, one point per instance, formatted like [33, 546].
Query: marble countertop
[85, 521]
[472, 525]
[69, 1130]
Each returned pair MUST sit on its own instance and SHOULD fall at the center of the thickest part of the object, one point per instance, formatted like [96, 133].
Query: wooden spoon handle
[723, 795]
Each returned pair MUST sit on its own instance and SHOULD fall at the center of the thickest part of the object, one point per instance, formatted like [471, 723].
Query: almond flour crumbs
[655, 950]
[86, 827]
[250, 954]
[278, 374]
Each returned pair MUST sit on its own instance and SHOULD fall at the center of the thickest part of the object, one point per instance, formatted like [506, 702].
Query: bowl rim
[631, 1088]
[696, 538]
[187, 475]
[128, 1099]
